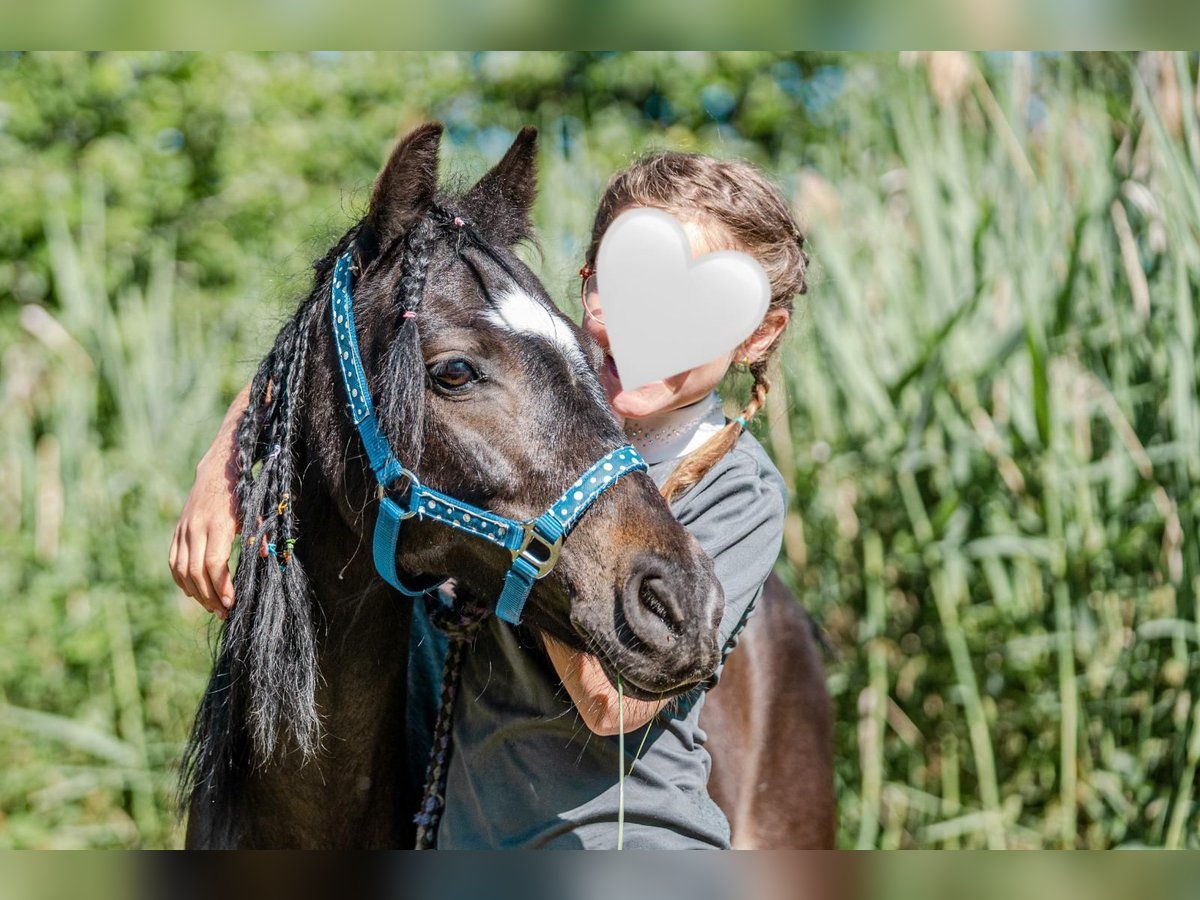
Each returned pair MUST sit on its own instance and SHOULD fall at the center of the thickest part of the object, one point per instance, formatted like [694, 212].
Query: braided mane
[261, 697]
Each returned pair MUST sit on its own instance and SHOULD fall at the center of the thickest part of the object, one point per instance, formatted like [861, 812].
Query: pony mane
[264, 674]
[261, 697]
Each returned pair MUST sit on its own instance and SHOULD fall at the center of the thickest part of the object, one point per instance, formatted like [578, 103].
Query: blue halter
[534, 544]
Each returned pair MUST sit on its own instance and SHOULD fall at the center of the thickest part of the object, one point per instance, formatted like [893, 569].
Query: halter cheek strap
[534, 543]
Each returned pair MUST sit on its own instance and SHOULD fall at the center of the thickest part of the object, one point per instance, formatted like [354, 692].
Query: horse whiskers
[615, 658]
[587, 740]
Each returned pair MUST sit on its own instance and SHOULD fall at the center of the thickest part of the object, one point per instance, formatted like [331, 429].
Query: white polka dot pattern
[426, 503]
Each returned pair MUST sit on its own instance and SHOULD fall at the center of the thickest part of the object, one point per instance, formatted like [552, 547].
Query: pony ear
[404, 189]
[502, 199]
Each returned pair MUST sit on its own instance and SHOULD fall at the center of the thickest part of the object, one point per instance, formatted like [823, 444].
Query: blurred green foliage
[989, 413]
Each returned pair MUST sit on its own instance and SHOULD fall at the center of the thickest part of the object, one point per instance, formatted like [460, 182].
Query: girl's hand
[595, 698]
[199, 557]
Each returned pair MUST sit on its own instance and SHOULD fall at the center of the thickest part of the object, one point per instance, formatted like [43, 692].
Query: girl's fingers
[224, 585]
[173, 558]
[178, 559]
[180, 571]
[197, 573]
[217, 560]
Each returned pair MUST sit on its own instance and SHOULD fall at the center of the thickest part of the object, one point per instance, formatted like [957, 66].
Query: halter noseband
[534, 543]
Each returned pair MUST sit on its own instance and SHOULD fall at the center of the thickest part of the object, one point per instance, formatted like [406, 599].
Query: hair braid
[274, 612]
[402, 416]
[250, 427]
[693, 467]
[285, 532]
[417, 257]
[735, 205]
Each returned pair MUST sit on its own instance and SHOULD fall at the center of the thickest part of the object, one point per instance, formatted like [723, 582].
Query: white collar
[677, 432]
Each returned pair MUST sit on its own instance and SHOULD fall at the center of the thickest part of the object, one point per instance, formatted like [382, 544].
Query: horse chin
[639, 687]
[638, 680]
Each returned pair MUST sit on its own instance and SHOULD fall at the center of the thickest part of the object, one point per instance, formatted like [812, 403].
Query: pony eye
[453, 374]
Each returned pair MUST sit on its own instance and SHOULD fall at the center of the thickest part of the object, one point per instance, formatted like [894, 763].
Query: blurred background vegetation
[989, 413]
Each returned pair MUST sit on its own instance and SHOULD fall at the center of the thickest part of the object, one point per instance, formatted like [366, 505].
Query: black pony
[488, 393]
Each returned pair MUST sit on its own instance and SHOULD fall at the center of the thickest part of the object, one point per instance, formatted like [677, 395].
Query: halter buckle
[537, 551]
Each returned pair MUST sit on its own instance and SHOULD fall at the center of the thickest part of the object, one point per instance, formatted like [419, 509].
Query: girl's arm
[199, 557]
[594, 697]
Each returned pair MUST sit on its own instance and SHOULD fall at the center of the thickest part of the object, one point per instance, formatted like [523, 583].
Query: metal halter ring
[409, 509]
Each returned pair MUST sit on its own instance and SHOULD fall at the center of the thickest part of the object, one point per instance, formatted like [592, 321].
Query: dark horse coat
[299, 740]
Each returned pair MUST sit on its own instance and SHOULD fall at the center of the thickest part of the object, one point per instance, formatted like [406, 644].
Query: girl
[523, 773]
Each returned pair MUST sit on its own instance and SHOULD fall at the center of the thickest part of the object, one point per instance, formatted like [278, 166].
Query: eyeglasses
[591, 294]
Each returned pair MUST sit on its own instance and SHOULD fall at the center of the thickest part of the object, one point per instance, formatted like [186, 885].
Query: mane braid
[282, 692]
[402, 387]
[477, 242]
[263, 683]
[261, 699]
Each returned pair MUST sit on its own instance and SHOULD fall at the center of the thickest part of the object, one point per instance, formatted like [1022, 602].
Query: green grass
[994, 428]
[989, 417]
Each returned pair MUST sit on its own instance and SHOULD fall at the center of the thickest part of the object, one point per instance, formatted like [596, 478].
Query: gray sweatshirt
[526, 772]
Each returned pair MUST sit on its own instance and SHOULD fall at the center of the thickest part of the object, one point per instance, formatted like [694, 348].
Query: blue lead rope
[534, 544]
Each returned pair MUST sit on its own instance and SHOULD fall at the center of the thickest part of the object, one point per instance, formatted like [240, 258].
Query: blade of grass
[70, 732]
[1185, 798]
[128, 697]
[948, 592]
[874, 700]
[621, 764]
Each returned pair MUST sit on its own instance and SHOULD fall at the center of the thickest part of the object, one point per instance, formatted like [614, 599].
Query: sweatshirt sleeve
[737, 517]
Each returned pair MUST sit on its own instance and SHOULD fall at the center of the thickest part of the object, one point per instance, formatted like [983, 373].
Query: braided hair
[398, 392]
[734, 202]
[272, 586]
[274, 627]
[265, 673]
[262, 693]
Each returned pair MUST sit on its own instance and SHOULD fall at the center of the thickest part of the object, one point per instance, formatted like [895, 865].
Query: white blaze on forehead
[517, 311]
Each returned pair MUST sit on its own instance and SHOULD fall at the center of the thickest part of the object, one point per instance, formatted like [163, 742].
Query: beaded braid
[273, 626]
[250, 427]
[287, 527]
[265, 671]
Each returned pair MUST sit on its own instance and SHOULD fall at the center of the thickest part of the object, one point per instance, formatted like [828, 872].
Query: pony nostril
[656, 598]
[650, 600]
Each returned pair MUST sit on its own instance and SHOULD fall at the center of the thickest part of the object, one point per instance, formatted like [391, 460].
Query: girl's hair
[734, 203]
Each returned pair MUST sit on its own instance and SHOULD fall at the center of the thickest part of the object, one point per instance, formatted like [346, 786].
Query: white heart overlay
[665, 311]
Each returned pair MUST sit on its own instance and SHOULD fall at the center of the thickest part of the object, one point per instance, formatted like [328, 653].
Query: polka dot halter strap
[534, 543]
